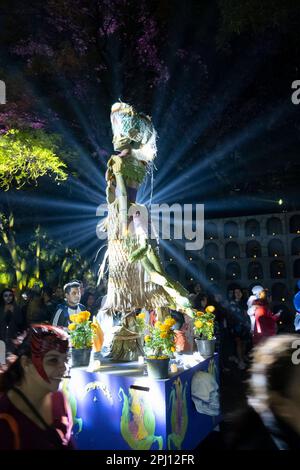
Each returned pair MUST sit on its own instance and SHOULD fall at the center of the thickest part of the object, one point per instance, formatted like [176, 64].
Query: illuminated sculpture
[136, 277]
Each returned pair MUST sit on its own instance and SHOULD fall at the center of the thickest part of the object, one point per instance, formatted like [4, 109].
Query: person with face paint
[12, 320]
[33, 413]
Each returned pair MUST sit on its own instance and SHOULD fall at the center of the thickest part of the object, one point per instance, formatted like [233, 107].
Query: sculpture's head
[133, 130]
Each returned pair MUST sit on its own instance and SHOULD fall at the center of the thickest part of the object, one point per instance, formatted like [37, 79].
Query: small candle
[174, 368]
[141, 359]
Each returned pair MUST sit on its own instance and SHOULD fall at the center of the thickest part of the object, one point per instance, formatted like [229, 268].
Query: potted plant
[159, 346]
[84, 334]
[204, 331]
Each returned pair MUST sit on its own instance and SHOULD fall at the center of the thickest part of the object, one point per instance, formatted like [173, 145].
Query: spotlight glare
[280, 202]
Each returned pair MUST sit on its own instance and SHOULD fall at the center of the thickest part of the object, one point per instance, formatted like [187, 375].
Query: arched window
[192, 272]
[279, 292]
[173, 271]
[274, 226]
[213, 272]
[213, 288]
[211, 251]
[253, 249]
[255, 271]
[252, 228]
[277, 270]
[210, 231]
[295, 224]
[297, 268]
[231, 230]
[296, 246]
[232, 250]
[233, 271]
[275, 248]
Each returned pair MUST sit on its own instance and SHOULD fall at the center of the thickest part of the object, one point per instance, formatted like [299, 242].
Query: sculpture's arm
[111, 182]
[139, 253]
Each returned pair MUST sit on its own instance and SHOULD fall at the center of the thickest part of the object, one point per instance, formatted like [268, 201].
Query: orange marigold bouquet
[84, 333]
[160, 341]
[204, 323]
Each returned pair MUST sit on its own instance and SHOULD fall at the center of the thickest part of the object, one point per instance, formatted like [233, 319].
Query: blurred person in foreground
[33, 413]
[271, 421]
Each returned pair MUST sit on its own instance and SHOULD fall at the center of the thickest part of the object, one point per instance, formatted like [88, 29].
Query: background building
[259, 249]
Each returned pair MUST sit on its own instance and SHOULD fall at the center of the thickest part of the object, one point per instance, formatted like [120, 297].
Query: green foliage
[26, 155]
[255, 16]
[40, 261]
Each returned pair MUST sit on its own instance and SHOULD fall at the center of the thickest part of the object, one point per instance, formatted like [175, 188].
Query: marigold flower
[210, 309]
[169, 321]
[173, 349]
[72, 326]
[163, 334]
[73, 317]
[158, 324]
[198, 324]
[141, 315]
[199, 314]
[164, 328]
[147, 338]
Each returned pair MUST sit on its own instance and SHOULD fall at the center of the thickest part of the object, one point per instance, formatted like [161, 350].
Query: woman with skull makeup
[33, 413]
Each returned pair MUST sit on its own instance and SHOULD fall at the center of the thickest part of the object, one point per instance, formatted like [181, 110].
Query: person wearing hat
[256, 290]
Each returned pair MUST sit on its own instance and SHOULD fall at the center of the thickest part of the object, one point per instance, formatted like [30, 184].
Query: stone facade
[258, 249]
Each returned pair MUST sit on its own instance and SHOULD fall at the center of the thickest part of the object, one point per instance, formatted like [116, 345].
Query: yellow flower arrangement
[160, 341]
[140, 322]
[204, 323]
[85, 333]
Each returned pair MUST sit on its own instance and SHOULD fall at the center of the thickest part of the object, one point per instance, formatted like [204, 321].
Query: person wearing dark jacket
[12, 321]
[71, 305]
[271, 421]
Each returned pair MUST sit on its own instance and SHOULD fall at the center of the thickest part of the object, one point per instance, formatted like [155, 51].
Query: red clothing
[17, 431]
[264, 321]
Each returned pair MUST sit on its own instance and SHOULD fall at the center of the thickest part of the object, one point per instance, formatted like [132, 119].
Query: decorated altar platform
[121, 408]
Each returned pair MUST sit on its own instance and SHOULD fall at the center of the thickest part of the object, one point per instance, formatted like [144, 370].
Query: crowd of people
[34, 414]
[243, 319]
[46, 305]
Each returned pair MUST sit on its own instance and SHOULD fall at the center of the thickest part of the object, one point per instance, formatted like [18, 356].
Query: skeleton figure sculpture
[136, 277]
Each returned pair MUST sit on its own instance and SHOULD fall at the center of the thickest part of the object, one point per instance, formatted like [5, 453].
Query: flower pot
[158, 368]
[206, 347]
[81, 357]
